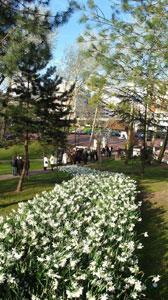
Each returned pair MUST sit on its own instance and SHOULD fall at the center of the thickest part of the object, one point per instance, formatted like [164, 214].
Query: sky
[67, 34]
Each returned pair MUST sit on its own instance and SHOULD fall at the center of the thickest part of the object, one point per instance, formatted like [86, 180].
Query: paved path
[35, 172]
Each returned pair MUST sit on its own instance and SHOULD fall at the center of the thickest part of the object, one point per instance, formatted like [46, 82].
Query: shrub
[75, 242]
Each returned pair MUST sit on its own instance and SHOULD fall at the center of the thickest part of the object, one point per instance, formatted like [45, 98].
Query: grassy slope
[32, 185]
[36, 150]
[154, 192]
[5, 166]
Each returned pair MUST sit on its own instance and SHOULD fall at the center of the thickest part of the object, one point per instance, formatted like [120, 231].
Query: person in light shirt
[52, 161]
[64, 158]
[45, 163]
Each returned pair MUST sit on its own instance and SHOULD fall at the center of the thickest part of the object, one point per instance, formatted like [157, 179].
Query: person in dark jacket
[14, 165]
[85, 156]
[19, 165]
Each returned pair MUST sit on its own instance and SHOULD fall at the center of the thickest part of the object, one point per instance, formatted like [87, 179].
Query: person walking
[52, 161]
[14, 165]
[45, 163]
[19, 165]
[64, 158]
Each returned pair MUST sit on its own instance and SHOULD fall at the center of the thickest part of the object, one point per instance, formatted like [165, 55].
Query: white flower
[1, 219]
[131, 280]
[86, 248]
[2, 277]
[55, 284]
[155, 280]
[139, 246]
[16, 255]
[11, 279]
[75, 294]
[111, 288]
[73, 263]
[90, 296]
[33, 297]
[138, 286]
[145, 234]
[134, 295]
[93, 213]
[104, 297]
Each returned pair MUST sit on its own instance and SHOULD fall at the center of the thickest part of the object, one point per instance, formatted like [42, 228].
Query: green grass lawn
[36, 150]
[154, 193]
[5, 166]
[32, 185]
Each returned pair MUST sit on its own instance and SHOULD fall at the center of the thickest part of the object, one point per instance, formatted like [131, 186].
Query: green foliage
[53, 107]
[91, 4]
[84, 19]
[31, 17]
[130, 50]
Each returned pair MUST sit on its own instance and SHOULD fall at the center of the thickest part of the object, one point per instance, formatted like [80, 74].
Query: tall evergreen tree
[28, 16]
[53, 107]
[23, 23]
[37, 104]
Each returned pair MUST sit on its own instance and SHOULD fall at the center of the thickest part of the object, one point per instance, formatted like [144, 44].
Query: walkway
[35, 172]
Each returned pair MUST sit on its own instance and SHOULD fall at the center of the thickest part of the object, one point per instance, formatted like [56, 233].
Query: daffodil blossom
[77, 241]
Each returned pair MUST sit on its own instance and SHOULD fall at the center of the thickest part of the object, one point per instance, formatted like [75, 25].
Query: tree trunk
[130, 142]
[99, 150]
[145, 129]
[3, 128]
[163, 148]
[93, 126]
[144, 141]
[25, 165]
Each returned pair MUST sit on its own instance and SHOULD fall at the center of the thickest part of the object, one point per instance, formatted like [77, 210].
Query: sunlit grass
[32, 185]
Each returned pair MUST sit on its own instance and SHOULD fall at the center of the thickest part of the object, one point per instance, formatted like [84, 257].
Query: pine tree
[36, 105]
[53, 107]
[31, 17]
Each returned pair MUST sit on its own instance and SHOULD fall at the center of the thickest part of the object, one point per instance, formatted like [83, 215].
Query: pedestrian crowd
[107, 151]
[78, 155]
[17, 165]
[74, 156]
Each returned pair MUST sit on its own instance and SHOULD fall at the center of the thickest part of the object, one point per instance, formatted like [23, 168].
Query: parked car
[115, 133]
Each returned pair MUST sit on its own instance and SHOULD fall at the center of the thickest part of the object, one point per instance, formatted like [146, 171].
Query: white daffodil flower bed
[75, 242]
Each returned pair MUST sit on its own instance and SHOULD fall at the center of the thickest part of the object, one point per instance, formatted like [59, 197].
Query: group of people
[84, 156]
[107, 151]
[52, 161]
[76, 156]
[17, 165]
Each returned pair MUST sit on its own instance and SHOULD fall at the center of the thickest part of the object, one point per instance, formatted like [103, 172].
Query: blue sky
[68, 34]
